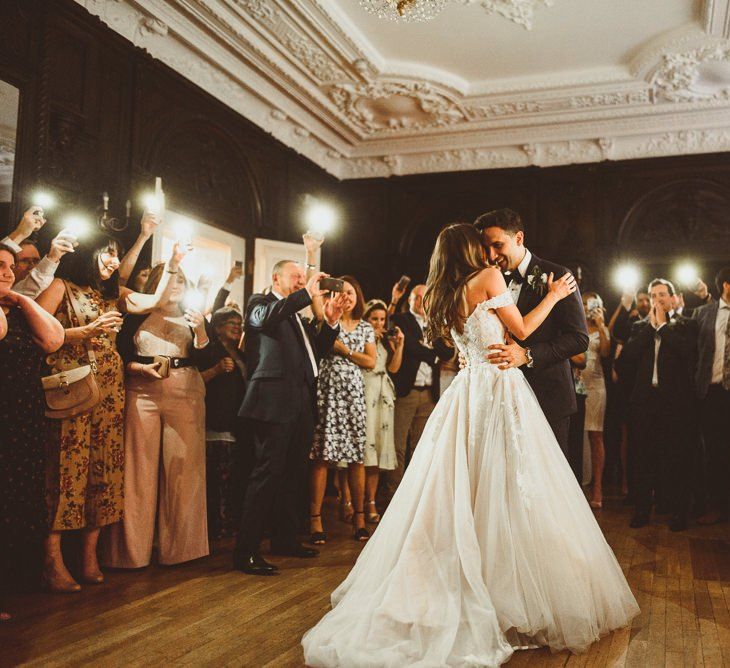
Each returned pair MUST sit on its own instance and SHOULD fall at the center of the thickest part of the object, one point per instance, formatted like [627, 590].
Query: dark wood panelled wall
[98, 114]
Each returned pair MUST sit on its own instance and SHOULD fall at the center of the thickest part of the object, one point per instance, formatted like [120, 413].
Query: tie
[726, 360]
[514, 277]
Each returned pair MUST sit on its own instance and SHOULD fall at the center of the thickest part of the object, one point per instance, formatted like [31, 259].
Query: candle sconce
[109, 223]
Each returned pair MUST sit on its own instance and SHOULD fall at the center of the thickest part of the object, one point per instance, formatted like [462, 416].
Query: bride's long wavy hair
[456, 258]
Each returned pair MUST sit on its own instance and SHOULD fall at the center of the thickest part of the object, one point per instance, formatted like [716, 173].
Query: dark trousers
[715, 410]
[561, 429]
[276, 486]
[662, 444]
[575, 437]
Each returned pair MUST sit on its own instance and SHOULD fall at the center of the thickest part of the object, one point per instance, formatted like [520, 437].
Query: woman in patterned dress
[85, 474]
[340, 433]
[380, 403]
[27, 333]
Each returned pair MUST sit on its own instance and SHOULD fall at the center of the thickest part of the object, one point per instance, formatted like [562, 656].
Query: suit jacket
[279, 371]
[414, 352]
[706, 317]
[563, 334]
[675, 364]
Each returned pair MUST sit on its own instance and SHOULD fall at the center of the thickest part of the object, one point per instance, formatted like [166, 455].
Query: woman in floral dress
[85, 472]
[340, 433]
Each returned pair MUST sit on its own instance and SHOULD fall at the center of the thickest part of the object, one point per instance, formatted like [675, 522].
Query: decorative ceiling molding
[717, 18]
[520, 12]
[302, 72]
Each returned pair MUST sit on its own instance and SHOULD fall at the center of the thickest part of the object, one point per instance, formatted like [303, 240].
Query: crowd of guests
[210, 424]
[665, 370]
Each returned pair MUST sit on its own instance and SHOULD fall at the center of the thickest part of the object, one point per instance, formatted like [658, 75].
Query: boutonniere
[537, 280]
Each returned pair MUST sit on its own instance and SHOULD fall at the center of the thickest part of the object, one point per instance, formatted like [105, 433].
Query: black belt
[175, 362]
[421, 388]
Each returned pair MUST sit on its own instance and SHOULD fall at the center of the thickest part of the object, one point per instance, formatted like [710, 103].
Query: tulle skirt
[487, 546]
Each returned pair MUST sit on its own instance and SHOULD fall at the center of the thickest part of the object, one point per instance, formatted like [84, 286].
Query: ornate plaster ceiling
[487, 84]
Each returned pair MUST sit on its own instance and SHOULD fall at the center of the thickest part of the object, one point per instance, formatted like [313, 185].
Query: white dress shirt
[424, 375]
[514, 287]
[307, 343]
[38, 279]
[721, 332]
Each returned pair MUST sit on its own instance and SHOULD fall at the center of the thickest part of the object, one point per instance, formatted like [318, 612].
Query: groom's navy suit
[563, 334]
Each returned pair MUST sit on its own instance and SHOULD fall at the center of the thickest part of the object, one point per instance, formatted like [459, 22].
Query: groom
[544, 357]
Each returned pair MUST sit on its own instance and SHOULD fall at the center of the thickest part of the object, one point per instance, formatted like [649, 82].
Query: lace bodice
[482, 328]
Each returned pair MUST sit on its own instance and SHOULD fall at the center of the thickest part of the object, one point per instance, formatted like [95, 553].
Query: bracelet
[311, 266]
[171, 272]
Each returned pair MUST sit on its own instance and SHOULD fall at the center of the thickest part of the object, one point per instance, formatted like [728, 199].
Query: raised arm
[3, 325]
[138, 303]
[148, 225]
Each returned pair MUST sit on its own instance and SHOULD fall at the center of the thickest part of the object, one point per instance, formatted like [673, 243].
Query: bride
[488, 545]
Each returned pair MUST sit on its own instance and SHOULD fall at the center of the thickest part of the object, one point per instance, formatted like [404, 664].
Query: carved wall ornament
[278, 115]
[149, 25]
[520, 12]
[679, 76]
[606, 145]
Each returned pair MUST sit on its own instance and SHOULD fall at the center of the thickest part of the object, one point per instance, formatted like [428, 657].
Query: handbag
[73, 391]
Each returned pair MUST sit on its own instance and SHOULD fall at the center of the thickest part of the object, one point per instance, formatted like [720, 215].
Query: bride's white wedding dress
[487, 546]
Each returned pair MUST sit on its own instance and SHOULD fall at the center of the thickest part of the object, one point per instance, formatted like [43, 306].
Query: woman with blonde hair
[488, 545]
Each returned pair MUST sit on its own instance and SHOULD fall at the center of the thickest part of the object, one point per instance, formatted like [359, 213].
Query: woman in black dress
[27, 333]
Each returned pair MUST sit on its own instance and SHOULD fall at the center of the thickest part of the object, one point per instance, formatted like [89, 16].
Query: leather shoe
[294, 551]
[254, 564]
[639, 520]
[678, 523]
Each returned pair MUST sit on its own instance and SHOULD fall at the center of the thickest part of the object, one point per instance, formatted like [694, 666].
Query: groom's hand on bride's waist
[507, 355]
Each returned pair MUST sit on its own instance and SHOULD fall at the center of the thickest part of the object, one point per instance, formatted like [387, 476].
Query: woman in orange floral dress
[85, 481]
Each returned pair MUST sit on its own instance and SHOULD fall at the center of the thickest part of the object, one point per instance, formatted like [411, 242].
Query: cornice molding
[294, 69]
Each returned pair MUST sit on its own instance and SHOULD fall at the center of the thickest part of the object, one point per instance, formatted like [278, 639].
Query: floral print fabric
[85, 483]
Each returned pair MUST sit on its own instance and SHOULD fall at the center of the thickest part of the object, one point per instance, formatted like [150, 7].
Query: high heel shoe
[93, 578]
[361, 534]
[346, 511]
[374, 516]
[317, 537]
[60, 585]
[597, 505]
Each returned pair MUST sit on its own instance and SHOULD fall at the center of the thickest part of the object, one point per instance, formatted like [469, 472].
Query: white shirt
[38, 278]
[424, 375]
[514, 287]
[307, 343]
[721, 331]
[657, 344]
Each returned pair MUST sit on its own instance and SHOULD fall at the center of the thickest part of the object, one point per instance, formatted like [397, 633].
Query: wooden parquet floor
[204, 614]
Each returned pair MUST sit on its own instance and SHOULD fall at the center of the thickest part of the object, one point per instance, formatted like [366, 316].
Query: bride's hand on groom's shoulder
[562, 287]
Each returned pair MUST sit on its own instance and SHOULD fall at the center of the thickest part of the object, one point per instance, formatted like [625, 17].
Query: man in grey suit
[713, 390]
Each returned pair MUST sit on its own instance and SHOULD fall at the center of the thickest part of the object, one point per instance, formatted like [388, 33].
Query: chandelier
[404, 10]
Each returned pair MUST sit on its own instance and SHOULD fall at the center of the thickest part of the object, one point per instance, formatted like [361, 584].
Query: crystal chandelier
[404, 10]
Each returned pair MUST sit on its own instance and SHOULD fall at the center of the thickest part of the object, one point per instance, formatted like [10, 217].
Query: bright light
[320, 218]
[75, 226]
[194, 300]
[627, 277]
[150, 203]
[687, 274]
[43, 199]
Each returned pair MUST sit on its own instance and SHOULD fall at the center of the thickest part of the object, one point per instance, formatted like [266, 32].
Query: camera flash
[74, 226]
[627, 277]
[687, 274]
[43, 199]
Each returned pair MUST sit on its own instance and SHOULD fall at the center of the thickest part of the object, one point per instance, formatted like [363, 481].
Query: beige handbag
[72, 391]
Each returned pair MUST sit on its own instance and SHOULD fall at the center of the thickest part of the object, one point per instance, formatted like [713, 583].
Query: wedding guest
[577, 420]
[27, 334]
[592, 377]
[416, 384]
[340, 434]
[164, 463]
[380, 403]
[85, 467]
[631, 309]
[713, 390]
[660, 357]
[279, 410]
[225, 384]
[34, 274]
[223, 293]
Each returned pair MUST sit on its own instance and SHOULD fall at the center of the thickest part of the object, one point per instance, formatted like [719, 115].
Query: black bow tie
[513, 277]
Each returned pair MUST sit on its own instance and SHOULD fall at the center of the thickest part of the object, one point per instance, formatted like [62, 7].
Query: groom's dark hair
[507, 219]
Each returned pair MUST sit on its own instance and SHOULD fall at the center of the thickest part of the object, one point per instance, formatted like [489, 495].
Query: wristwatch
[530, 360]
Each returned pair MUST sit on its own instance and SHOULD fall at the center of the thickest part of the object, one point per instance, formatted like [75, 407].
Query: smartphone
[239, 264]
[403, 282]
[332, 284]
[593, 305]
